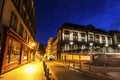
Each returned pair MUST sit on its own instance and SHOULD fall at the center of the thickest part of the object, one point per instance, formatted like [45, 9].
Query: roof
[87, 28]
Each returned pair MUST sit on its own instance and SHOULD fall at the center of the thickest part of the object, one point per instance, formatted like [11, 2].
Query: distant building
[73, 38]
[49, 47]
[17, 33]
[55, 48]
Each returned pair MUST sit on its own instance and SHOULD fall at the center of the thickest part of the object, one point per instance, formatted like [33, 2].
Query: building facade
[116, 40]
[49, 48]
[73, 38]
[17, 33]
[55, 48]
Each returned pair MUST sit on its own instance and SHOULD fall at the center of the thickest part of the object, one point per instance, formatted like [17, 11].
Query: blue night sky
[103, 14]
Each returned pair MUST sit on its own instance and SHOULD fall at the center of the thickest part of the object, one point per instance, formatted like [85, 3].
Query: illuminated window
[90, 37]
[82, 37]
[103, 39]
[14, 21]
[14, 49]
[25, 53]
[66, 35]
[66, 47]
[97, 38]
[75, 36]
[109, 40]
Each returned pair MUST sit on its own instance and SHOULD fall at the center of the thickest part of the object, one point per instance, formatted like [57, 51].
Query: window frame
[14, 21]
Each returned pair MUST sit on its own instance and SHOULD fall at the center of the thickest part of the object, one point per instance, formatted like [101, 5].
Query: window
[90, 37]
[109, 40]
[21, 30]
[14, 50]
[14, 21]
[66, 35]
[75, 36]
[25, 35]
[118, 38]
[103, 39]
[66, 48]
[1, 7]
[83, 37]
[25, 54]
[97, 38]
[75, 46]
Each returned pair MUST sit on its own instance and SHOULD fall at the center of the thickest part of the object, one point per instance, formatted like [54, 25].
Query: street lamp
[106, 45]
[91, 52]
[71, 43]
[91, 44]
[33, 49]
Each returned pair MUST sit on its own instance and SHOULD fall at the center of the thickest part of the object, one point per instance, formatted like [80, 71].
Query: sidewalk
[30, 71]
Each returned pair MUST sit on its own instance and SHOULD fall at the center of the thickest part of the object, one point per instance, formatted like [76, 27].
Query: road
[63, 73]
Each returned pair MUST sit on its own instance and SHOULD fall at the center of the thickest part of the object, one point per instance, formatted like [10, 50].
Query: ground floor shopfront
[15, 52]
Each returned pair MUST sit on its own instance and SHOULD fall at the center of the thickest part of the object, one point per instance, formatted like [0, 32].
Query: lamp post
[106, 46]
[33, 47]
[118, 48]
[91, 52]
[71, 43]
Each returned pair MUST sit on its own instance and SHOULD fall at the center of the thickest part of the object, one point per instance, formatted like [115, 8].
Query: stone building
[17, 33]
[73, 38]
[49, 48]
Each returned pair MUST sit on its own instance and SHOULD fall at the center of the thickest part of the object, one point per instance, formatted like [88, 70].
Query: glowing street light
[32, 44]
[106, 45]
[71, 43]
[91, 44]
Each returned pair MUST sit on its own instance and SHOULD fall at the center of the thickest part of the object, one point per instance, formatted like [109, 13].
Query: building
[73, 38]
[116, 39]
[55, 48]
[49, 48]
[17, 33]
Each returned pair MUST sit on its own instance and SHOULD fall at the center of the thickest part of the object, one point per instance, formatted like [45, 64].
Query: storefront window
[25, 53]
[13, 51]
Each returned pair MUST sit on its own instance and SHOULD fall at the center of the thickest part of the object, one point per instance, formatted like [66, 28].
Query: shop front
[16, 52]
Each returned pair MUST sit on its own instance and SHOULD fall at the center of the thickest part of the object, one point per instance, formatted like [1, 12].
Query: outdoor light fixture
[33, 44]
[91, 52]
[91, 44]
[106, 45]
[71, 43]
[118, 45]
